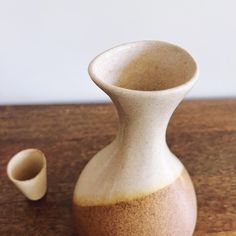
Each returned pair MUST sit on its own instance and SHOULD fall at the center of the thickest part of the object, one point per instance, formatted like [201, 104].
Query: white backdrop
[46, 45]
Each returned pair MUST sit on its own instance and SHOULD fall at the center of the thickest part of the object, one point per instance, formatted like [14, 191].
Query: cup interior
[145, 66]
[26, 165]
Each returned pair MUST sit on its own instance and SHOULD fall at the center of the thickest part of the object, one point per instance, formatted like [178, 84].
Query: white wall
[46, 45]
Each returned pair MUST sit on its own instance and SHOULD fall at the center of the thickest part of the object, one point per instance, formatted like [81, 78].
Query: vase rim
[114, 88]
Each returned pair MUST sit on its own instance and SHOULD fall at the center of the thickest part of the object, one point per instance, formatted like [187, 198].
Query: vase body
[136, 186]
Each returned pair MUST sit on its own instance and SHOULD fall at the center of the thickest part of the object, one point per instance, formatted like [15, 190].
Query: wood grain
[201, 133]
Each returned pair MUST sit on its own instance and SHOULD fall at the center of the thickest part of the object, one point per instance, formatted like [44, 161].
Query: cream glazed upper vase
[136, 185]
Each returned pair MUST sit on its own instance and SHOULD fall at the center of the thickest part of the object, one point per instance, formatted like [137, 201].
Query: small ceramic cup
[27, 170]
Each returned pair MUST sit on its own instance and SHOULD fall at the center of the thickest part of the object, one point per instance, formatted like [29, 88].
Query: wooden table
[201, 133]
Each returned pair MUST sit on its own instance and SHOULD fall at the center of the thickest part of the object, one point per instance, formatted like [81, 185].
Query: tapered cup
[27, 170]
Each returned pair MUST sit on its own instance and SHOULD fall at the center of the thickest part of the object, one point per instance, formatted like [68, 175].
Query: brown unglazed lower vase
[169, 211]
[136, 186]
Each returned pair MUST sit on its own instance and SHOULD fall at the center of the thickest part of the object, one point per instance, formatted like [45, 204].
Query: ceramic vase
[136, 186]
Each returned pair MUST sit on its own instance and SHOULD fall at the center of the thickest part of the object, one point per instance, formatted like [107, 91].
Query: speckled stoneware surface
[135, 185]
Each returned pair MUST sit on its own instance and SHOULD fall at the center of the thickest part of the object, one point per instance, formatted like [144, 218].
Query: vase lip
[114, 88]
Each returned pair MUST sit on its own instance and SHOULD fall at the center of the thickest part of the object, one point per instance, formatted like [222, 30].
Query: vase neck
[144, 120]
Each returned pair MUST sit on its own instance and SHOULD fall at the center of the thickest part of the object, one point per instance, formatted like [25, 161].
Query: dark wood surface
[201, 133]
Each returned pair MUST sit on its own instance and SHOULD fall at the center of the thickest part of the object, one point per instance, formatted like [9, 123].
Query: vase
[136, 186]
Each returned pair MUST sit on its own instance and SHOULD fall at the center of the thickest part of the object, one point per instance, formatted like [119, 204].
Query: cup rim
[111, 87]
[16, 156]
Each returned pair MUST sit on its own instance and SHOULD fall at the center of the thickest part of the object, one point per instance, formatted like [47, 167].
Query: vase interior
[145, 66]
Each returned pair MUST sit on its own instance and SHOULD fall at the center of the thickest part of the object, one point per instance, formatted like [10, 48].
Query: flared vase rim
[117, 89]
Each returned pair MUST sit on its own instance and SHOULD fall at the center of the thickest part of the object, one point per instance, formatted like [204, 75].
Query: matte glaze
[27, 170]
[146, 81]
